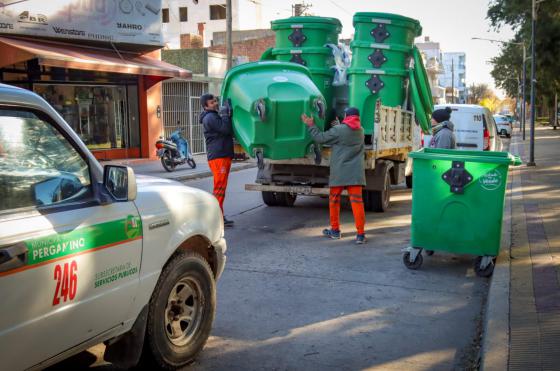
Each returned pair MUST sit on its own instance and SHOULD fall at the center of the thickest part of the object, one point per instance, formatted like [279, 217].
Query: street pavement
[291, 300]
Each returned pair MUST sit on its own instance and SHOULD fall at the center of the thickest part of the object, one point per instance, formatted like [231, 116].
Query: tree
[491, 101]
[477, 92]
[507, 67]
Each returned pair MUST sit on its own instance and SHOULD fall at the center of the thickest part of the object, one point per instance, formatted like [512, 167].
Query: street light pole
[533, 63]
[523, 89]
[229, 46]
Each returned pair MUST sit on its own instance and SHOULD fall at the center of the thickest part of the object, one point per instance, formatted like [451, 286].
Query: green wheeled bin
[366, 86]
[457, 204]
[268, 99]
[386, 28]
[306, 31]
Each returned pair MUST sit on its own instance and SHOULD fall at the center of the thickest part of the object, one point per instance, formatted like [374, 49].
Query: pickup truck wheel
[380, 200]
[269, 198]
[181, 311]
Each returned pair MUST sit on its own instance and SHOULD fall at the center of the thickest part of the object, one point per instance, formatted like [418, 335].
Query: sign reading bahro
[119, 21]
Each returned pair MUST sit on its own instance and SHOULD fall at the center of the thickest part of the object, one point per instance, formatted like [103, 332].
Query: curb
[208, 173]
[496, 333]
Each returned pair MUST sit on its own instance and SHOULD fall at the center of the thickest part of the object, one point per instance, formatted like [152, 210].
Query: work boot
[360, 239]
[331, 233]
[228, 223]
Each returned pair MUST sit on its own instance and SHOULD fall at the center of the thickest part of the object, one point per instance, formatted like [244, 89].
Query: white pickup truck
[91, 254]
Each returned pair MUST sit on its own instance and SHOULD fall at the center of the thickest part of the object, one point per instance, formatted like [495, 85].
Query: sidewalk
[523, 314]
[182, 172]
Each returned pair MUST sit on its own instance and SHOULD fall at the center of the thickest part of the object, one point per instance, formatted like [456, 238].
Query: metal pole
[533, 65]
[523, 113]
[229, 45]
[555, 110]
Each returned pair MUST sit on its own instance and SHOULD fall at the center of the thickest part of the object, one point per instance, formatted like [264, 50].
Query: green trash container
[268, 99]
[386, 28]
[306, 31]
[457, 204]
[366, 54]
[368, 85]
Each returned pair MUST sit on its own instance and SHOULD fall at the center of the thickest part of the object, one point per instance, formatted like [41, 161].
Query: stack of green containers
[381, 53]
[302, 40]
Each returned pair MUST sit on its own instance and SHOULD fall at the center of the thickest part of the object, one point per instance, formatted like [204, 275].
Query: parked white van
[474, 127]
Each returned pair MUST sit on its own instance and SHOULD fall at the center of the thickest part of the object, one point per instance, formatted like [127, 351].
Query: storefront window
[98, 114]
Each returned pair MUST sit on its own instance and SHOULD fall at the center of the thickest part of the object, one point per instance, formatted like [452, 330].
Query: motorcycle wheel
[167, 162]
[191, 163]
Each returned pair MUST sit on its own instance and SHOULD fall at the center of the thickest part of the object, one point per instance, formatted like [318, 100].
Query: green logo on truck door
[89, 238]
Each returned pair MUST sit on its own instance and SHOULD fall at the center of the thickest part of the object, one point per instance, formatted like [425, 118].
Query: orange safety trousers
[357, 203]
[220, 170]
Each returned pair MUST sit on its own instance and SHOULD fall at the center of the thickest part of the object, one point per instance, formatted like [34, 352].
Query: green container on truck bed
[306, 31]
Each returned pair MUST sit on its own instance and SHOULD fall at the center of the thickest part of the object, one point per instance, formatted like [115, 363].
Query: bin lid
[306, 20]
[422, 81]
[419, 107]
[389, 18]
[262, 66]
[489, 157]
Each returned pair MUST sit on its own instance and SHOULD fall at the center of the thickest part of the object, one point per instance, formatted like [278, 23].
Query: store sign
[119, 21]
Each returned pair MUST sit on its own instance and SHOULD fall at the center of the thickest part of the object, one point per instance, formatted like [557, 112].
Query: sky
[452, 23]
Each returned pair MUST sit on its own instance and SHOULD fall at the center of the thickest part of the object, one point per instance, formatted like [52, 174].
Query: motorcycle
[174, 151]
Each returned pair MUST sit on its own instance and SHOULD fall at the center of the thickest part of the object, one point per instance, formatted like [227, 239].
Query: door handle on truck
[13, 256]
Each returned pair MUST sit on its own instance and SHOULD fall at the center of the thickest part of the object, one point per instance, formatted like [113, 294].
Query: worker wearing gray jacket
[442, 129]
[347, 169]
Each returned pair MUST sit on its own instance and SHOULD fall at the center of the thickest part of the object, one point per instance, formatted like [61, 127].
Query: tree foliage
[477, 92]
[507, 67]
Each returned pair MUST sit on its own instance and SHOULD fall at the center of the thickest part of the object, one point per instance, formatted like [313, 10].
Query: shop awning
[53, 54]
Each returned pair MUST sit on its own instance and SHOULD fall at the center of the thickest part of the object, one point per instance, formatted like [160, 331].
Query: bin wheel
[487, 271]
[429, 252]
[269, 198]
[417, 263]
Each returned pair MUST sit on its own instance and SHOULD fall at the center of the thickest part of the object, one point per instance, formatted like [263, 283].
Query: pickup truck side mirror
[120, 182]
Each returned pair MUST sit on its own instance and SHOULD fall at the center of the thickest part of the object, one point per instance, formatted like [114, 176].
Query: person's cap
[205, 98]
[442, 114]
[352, 111]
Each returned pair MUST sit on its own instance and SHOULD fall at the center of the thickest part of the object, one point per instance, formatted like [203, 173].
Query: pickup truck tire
[181, 312]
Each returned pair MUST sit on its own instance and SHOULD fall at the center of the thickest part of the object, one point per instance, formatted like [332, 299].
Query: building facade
[432, 55]
[98, 65]
[454, 76]
[192, 23]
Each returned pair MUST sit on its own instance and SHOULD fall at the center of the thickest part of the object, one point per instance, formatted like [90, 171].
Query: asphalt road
[291, 300]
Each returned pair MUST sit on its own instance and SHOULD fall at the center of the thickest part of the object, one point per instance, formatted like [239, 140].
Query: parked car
[504, 125]
[91, 254]
[474, 126]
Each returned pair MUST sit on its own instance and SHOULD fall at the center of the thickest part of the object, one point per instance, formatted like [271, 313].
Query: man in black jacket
[218, 133]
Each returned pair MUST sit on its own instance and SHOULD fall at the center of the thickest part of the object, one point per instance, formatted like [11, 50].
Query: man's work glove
[307, 120]
[226, 109]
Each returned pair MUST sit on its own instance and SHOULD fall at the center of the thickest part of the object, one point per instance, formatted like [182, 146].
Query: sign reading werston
[119, 21]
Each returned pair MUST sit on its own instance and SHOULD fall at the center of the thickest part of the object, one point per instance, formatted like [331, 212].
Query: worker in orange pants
[357, 203]
[347, 168]
[218, 133]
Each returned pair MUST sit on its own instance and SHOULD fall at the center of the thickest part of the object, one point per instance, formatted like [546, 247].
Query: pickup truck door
[68, 266]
